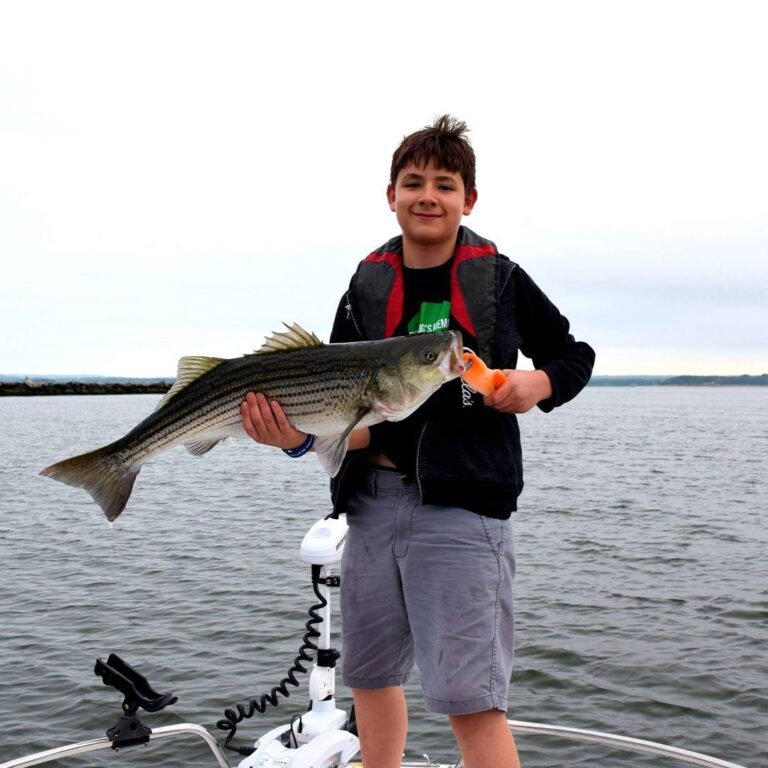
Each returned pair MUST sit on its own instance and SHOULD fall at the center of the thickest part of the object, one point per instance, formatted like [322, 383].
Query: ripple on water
[641, 605]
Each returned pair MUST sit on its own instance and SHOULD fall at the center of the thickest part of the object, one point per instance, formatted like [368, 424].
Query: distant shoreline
[116, 386]
[744, 380]
[32, 387]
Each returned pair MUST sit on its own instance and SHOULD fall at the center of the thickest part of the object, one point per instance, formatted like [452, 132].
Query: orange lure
[479, 376]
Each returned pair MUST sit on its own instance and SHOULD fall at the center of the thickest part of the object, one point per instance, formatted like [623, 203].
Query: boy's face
[429, 203]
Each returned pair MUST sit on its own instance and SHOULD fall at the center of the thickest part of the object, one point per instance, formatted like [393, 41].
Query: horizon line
[24, 376]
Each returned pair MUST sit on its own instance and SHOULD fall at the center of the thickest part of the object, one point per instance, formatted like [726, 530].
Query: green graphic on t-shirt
[431, 317]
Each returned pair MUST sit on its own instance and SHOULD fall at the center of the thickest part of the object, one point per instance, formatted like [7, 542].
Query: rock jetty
[30, 387]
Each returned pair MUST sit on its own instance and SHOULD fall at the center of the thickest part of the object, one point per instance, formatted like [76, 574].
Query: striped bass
[325, 389]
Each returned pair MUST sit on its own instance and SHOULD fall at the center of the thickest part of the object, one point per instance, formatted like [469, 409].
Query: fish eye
[430, 356]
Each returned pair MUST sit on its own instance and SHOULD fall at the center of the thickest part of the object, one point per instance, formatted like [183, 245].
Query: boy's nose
[427, 196]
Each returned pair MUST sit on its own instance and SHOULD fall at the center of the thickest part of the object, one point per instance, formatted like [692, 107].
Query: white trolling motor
[316, 739]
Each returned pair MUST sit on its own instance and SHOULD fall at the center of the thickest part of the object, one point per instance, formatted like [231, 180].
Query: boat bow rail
[82, 747]
[620, 742]
[518, 727]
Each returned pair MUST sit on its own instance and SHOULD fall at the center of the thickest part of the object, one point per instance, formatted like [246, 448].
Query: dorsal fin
[190, 368]
[295, 338]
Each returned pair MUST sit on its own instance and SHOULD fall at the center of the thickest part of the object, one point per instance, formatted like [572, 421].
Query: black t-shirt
[426, 300]
[426, 309]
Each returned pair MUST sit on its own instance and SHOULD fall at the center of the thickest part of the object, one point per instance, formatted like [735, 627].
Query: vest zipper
[418, 462]
[506, 280]
[339, 495]
[351, 315]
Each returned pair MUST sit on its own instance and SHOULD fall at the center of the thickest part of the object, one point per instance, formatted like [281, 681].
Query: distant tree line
[680, 381]
[715, 381]
[32, 388]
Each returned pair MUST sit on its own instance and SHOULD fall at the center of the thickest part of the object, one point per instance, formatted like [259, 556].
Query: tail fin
[107, 480]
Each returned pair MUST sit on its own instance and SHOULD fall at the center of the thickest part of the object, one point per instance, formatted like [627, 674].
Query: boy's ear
[391, 197]
[469, 201]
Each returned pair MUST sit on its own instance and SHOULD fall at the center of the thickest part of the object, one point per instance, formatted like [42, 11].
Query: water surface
[641, 595]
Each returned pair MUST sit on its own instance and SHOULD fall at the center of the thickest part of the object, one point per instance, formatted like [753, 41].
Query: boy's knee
[472, 719]
[488, 724]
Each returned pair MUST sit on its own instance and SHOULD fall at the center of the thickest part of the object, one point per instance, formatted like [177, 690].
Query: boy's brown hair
[443, 142]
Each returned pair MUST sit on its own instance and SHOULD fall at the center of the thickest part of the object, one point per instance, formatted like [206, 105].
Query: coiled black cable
[260, 703]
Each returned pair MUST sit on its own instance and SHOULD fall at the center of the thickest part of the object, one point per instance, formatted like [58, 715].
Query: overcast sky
[179, 178]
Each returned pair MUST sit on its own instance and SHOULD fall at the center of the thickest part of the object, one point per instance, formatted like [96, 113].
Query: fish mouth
[452, 363]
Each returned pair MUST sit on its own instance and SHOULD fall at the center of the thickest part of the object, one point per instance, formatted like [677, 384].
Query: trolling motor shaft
[322, 547]
[318, 737]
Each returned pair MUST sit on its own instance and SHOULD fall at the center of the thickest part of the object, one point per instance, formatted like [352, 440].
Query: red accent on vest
[458, 305]
[396, 295]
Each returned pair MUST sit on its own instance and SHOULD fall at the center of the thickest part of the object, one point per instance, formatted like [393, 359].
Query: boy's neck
[425, 255]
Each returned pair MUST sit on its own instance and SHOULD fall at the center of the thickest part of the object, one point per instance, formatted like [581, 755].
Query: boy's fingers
[267, 417]
[245, 418]
[258, 416]
[248, 425]
[267, 423]
[509, 397]
[500, 394]
[282, 420]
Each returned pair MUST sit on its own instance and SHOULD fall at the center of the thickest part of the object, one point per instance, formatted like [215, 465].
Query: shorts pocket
[497, 532]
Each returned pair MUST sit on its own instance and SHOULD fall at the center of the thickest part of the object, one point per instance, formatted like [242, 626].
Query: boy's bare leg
[382, 725]
[485, 740]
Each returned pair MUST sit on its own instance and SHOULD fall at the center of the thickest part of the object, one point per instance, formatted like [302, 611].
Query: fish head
[412, 368]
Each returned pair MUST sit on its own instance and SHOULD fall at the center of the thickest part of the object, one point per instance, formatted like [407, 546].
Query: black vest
[468, 457]
[376, 292]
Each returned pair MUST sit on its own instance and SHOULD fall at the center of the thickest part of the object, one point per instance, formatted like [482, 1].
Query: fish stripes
[322, 389]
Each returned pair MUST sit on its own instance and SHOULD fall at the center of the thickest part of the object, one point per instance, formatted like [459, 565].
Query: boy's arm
[547, 341]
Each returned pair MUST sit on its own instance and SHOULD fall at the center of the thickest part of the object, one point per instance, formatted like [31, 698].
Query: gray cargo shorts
[429, 584]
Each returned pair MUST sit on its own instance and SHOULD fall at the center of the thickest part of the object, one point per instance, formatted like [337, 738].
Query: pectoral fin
[331, 449]
[200, 447]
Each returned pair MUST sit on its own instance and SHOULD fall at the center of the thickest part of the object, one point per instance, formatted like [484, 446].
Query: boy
[428, 562]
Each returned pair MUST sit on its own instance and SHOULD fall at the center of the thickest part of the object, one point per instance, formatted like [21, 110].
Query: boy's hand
[520, 392]
[267, 424]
